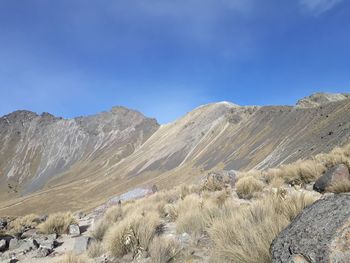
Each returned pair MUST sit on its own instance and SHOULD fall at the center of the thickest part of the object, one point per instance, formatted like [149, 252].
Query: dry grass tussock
[235, 234]
[338, 187]
[196, 214]
[164, 250]
[95, 249]
[336, 156]
[302, 171]
[22, 223]
[112, 215]
[131, 227]
[71, 258]
[57, 223]
[132, 234]
[248, 186]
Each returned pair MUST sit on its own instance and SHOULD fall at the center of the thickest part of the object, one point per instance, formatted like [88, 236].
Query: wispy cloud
[317, 7]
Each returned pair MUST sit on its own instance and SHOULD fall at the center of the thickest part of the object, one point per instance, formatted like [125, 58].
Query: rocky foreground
[319, 234]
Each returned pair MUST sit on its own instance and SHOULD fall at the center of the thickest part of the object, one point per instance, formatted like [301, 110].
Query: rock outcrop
[319, 99]
[337, 173]
[320, 234]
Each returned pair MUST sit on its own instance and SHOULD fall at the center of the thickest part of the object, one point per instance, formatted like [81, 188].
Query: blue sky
[165, 57]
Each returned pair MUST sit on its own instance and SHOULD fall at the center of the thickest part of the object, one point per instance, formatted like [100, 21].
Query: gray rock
[336, 173]
[3, 245]
[13, 244]
[43, 252]
[48, 241]
[319, 234]
[31, 233]
[81, 244]
[43, 218]
[74, 230]
[21, 246]
[3, 223]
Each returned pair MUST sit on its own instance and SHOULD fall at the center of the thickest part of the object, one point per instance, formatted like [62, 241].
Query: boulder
[45, 241]
[319, 234]
[81, 244]
[339, 172]
[13, 244]
[31, 233]
[74, 230]
[3, 245]
[22, 246]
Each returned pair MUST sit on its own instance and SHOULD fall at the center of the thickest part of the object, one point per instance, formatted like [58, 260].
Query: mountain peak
[21, 115]
[321, 98]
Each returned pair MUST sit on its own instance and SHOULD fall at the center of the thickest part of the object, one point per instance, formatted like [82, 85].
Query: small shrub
[310, 170]
[246, 187]
[191, 222]
[169, 212]
[192, 201]
[185, 190]
[221, 197]
[145, 228]
[164, 250]
[71, 258]
[20, 224]
[118, 239]
[189, 214]
[57, 223]
[276, 182]
[100, 229]
[95, 249]
[196, 221]
[113, 214]
[132, 233]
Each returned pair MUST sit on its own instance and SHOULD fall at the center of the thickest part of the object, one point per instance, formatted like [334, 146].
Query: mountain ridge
[114, 151]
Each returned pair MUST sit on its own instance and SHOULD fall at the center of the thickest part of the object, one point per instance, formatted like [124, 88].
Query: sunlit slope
[214, 136]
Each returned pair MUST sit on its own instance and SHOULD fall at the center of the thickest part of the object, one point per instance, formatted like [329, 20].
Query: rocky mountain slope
[49, 164]
[36, 148]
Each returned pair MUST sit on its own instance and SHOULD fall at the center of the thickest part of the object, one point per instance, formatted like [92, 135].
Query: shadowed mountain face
[36, 148]
[59, 164]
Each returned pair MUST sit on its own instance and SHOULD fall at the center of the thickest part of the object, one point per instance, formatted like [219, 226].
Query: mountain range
[50, 164]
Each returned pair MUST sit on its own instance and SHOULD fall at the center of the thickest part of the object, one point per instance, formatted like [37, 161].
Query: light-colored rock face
[319, 99]
[81, 163]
